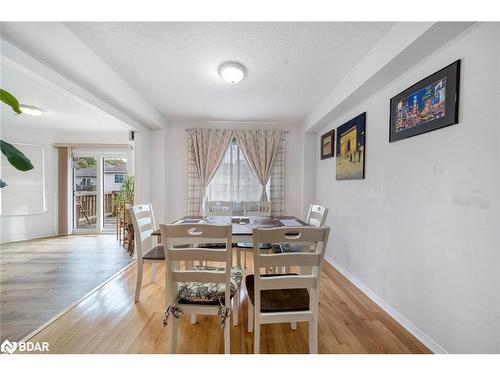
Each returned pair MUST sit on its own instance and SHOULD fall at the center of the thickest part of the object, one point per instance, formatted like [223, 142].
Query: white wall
[144, 170]
[13, 228]
[170, 193]
[421, 231]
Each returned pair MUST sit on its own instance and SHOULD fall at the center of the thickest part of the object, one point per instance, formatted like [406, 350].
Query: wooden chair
[257, 208]
[147, 250]
[280, 298]
[202, 290]
[219, 208]
[84, 211]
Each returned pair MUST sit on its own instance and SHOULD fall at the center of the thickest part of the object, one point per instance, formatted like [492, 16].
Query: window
[119, 178]
[234, 179]
[25, 191]
[86, 181]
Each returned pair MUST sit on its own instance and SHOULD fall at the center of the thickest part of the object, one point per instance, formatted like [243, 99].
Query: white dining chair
[219, 208]
[201, 290]
[146, 248]
[253, 208]
[282, 298]
[256, 208]
[316, 217]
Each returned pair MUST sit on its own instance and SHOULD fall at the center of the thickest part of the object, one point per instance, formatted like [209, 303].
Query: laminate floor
[40, 278]
[109, 321]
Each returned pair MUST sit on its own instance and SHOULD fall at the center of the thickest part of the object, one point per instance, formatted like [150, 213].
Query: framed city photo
[428, 105]
[351, 149]
[327, 144]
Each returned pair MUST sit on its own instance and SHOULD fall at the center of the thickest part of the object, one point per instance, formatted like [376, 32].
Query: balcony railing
[86, 208]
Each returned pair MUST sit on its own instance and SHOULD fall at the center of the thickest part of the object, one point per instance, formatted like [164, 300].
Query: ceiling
[62, 111]
[291, 66]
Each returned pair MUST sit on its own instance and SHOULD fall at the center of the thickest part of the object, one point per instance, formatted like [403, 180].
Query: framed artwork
[351, 149]
[327, 144]
[428, 105]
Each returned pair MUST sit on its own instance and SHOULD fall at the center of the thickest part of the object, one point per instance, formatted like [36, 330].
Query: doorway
[97, 179]
[115, 174]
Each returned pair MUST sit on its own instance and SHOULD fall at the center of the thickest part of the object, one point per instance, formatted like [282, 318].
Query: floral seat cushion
[196, 292]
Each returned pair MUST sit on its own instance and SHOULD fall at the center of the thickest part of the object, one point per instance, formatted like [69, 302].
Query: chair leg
[313, 336]
[172, 335]
[293, 325]
[236, 308]
[238, 257]
[153, 272]
[250, 316]
[138, 284]
[227, 337]
[256, 338]
[193, 318]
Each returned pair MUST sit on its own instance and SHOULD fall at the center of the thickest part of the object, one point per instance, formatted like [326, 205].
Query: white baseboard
[31, 238]
[409, 326]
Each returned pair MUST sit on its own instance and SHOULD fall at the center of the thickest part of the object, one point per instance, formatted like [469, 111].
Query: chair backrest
[179, 243]
[144, 223]
[257, 208]
[316, 216]
[316, 238]
[219, 208]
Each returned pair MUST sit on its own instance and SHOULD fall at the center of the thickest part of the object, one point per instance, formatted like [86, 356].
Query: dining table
[242, 231]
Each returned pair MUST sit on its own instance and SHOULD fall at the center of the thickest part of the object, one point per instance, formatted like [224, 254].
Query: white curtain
[232, 183]
[208, 147]
[234, 180]
[260, 147]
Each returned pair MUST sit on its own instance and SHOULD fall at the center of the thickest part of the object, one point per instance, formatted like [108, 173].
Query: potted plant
[15, 157]
[124, 199]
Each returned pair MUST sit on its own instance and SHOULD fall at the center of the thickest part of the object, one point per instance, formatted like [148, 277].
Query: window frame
[122, 175]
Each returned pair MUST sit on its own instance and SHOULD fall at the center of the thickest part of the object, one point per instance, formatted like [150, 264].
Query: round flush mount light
[30, 110]
[232, 72]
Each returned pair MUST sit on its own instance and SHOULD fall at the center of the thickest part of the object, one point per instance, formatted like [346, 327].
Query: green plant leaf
[15, 157]
[10, 100]
[2, 183]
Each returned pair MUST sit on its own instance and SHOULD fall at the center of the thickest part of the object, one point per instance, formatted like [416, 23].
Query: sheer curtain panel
[208, 147]
[260, 146]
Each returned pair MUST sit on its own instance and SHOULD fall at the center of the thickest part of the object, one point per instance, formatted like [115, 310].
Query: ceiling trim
[92, 145]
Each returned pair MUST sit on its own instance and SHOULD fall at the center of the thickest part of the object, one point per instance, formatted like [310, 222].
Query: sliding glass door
[86, 192]
[115, 172]
[97, 179]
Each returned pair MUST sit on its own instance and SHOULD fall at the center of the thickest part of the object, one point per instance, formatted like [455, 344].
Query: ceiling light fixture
[232, 72]
[30, 110]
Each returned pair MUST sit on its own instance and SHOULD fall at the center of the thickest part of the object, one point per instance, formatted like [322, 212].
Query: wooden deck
[109, 321]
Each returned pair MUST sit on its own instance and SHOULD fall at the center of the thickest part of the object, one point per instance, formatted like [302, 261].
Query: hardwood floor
[40, 278]
[109, 321]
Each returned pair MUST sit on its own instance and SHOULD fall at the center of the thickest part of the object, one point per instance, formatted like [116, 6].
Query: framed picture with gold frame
[350, 148]
[327, 144]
